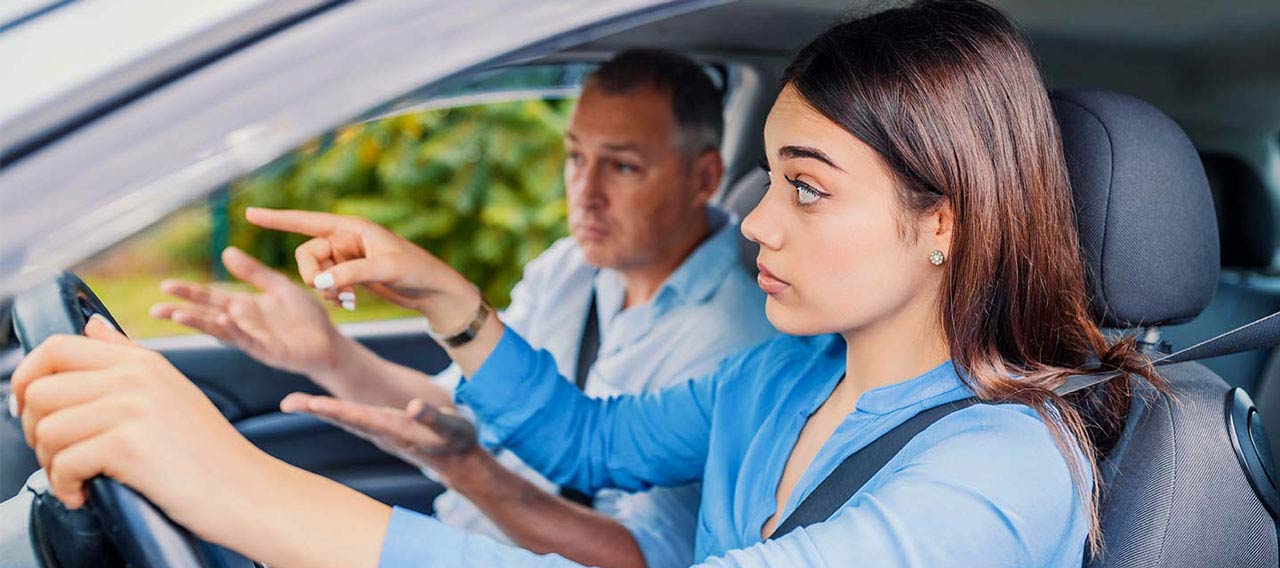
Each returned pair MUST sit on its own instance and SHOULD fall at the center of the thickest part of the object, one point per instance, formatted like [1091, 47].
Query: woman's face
[837, 253]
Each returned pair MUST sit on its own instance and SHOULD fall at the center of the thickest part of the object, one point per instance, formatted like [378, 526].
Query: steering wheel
[141, 533]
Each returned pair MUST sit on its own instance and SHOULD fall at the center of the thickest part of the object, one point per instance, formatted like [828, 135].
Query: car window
[470, 169]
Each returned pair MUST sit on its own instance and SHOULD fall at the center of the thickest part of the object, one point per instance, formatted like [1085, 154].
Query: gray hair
[695, 101]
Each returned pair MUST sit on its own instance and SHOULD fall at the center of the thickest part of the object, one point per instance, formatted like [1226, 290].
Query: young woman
[917, 243]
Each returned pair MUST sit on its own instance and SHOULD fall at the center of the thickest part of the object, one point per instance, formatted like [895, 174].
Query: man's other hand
[420, 434]
[283, 325]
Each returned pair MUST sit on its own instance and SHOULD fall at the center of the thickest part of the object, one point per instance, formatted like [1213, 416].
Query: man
[655, 264]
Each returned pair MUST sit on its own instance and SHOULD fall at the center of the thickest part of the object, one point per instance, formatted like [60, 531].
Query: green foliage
[479, 186]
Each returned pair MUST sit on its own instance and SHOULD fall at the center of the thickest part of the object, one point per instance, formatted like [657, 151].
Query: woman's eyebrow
[791, 152]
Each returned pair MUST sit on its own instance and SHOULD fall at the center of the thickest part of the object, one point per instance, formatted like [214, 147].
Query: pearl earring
[936, 257]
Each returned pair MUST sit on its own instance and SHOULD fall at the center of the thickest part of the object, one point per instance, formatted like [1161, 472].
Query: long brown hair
[949, 96]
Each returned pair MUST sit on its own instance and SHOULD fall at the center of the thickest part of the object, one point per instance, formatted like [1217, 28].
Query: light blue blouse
[985, 486]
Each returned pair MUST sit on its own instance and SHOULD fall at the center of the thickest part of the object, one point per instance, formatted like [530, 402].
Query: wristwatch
[469, 332]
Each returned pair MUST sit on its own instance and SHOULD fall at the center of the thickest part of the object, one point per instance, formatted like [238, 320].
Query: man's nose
[588, 186]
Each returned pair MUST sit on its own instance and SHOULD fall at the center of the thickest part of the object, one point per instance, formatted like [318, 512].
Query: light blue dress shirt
[709, 308]
[984, 486]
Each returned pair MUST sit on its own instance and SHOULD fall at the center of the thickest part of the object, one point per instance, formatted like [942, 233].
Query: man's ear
[708, 170]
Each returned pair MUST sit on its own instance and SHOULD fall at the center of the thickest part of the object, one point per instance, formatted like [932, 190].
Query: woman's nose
[759, 226]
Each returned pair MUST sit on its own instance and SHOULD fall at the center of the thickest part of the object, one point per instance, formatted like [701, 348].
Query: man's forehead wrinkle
[621, 146]
[608, 142]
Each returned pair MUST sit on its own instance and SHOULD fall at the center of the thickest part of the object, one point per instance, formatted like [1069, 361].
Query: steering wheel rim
[144, 535]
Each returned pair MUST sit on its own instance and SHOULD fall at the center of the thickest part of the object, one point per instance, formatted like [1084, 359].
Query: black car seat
[1175, 490]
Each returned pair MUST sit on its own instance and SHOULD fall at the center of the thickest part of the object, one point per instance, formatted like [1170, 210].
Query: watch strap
[469, 332]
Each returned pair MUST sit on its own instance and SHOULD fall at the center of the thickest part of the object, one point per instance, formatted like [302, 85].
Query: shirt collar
[920, 390]
[704, 269]
[701, 273]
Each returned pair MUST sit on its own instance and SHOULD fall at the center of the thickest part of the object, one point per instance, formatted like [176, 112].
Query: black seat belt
[854, 472]
[588, 350]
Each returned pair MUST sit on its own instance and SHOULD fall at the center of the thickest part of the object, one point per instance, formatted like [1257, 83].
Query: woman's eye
[805, 195]
[574, 158]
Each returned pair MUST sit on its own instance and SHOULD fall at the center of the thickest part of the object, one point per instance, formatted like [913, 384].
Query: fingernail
[349, 305]
[101, 320]
[347, 296]
[323, 281]
[13, 405]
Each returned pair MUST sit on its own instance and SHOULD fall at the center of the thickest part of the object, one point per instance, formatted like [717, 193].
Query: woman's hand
[422, 435]
[283, 325]
[102, 405]
[346, 251]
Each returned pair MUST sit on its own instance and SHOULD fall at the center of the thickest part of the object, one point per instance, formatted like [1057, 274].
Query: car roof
[1205, 63]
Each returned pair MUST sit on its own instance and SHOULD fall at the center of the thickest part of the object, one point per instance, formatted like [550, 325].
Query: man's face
[631, 191]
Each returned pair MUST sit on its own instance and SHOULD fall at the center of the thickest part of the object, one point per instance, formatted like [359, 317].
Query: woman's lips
[768, 282]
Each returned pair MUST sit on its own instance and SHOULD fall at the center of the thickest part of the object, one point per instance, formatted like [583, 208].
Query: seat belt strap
[854, 472]
[588, 350]
[1262, 333]
[589, 345]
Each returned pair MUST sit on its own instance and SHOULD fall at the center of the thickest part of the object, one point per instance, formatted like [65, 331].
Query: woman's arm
[628, 442]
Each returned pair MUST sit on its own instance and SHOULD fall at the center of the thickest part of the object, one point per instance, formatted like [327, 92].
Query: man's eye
[574, 158]
[625, 168]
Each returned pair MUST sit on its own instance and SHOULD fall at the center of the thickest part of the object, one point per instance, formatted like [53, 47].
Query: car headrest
[1246, 213]
[742, 197]
[1146, 218]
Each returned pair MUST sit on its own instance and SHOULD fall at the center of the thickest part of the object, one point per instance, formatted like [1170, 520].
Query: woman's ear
[941, 224]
